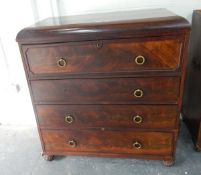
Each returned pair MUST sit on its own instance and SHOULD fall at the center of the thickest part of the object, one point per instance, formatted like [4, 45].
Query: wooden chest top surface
[124, 24]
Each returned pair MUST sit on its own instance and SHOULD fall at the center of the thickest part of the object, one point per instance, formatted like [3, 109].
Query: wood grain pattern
[104, 26]
[106, 91]
[156, 143]
[96, 87]
[107, 116]
[105, 56]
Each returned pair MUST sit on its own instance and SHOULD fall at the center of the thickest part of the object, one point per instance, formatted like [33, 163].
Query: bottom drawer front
[130, 142]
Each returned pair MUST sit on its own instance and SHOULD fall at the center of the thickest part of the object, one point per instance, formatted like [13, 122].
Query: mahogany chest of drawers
[107, 84]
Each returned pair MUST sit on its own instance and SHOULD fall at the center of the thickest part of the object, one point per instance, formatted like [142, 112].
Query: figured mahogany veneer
[105, 56]
[152, 143]
[107, 84]
[106, 91]
[107, 116]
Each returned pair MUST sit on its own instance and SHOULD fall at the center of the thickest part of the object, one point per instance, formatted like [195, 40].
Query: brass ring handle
[137, 145]
[69, 119]
[72, 143]
[140, 60]
[61, 62]
[137, 119]
[138, 93]
[99, 45]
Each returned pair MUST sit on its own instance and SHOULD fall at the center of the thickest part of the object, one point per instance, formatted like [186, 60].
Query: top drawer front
[104, 56]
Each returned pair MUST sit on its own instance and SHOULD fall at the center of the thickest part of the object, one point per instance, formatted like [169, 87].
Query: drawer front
[138, 143]
[105, 116]
[107, 91]
[104, 56]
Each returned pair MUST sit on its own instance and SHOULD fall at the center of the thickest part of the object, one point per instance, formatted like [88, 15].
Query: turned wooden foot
[197, 148]
[168, 162]
[48, 157]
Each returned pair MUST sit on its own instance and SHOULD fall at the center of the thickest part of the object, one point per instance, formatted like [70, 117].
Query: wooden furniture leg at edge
[48, 157]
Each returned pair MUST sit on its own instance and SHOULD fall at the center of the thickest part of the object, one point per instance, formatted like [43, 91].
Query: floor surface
[20, 155]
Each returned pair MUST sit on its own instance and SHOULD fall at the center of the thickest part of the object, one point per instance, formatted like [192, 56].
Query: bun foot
[197, 148]
[48, 157]
[168, 163]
